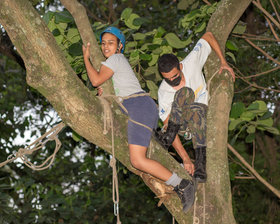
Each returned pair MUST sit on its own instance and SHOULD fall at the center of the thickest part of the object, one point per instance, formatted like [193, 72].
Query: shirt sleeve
[112, 62]
[201, 52]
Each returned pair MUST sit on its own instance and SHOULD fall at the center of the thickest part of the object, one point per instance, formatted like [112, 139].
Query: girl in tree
[141, 109]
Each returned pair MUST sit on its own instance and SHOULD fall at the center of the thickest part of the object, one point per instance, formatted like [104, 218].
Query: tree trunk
[221, 93]
[49, 72]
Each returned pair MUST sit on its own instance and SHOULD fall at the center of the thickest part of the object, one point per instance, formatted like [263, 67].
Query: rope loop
[51, 135]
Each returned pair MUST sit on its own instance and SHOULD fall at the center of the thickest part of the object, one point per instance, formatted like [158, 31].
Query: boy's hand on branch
[189, 166]
[86, 52]
[225, 66]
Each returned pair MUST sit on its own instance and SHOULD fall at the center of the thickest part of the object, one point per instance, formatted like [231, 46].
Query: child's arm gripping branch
[209, 37]
[96, 78]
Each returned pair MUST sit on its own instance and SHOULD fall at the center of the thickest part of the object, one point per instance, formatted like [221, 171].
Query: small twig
[262, 73]
[252, 84]
[272, 29]
[253, 37]
[254, 153]
[259, 6]
[254, 172]
[263, 52]
[240, 91]
[276, 13]
[208, 3]
[242, 177]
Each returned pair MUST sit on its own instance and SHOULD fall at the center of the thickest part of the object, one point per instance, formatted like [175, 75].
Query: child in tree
[141, 109]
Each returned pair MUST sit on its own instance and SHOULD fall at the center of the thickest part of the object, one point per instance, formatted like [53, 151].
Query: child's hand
[99, 90]
[86, 51]
[189, 166]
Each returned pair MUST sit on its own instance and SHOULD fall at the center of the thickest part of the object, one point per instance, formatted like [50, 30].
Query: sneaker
[186, 192]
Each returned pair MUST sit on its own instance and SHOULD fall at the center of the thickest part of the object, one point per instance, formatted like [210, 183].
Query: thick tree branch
[78, 12]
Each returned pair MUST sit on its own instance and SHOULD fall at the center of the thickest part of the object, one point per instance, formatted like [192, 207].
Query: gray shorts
[144, 110]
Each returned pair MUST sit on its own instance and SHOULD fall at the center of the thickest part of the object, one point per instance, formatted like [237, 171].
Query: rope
[195, 218]
[51, 135]
[108, 123]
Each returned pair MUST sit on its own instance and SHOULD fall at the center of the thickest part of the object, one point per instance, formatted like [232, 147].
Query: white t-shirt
[124, 80]
[192, 71]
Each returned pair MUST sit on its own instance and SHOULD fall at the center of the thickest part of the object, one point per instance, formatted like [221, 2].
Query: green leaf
[129, 22]
[59, 39]
[232, 56]
[154, 60]
[200, 28]
[258, 105]
[231, 46]
[184, 4]
[126, 13]
[234, 123]
[166, 49]
[237, 109]
[75, 49]
[239, 28]
[192, 15]
[157, 51]
[266, 115]
[145, 57]
[134, 54]
[63, 17]
[56, 32]
[73, 35]
[174, 41]
[139, 21]
[272, 130]
[84, 76]
[247, 116]
[160, 32]
[51, 25]
[250, 138]
[267, 122]
[153, 89]
[139, 36]
[131, 44]
[48, 16]
[76, 137]
[251, 129]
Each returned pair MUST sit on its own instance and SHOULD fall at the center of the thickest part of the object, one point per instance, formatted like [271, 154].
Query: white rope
[51, 135]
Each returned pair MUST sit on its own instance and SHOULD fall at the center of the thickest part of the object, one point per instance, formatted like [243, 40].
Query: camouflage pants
[190, 115]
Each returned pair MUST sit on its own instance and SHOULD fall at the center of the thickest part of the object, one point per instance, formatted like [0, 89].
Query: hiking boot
[186, 192]
[166, 138]
[200, 165]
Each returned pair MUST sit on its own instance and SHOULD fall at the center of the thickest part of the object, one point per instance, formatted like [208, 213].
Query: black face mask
[174, 82]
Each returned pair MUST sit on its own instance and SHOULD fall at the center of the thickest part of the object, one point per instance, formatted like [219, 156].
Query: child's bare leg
[184, 188]
[140, 161]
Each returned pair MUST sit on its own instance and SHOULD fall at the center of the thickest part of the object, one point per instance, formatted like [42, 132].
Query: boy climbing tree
[183, 100]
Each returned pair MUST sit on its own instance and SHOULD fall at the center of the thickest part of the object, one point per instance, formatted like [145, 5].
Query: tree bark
[221, 92]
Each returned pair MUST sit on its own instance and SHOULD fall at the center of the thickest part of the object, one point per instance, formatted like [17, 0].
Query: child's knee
[136, 162]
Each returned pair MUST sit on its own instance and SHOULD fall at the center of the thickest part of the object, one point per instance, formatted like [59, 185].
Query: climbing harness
[51, 135]
[108, 123]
